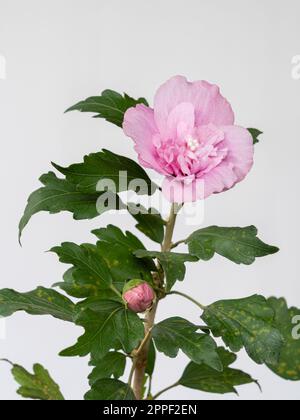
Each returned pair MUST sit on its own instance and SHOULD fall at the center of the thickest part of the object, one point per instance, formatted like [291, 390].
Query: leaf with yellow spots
[240, 245]
[41, 301]
[247, 323]
[117, 249]
[88, 265]
[36, 386]
[287, 320]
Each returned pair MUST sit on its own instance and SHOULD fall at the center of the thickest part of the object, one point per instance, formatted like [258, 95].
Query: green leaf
[288, 366]
[59, 195]
[117, 249]
[246, 323]
[105, 165]
[110, 390]
[110, 105]
[171, 262]
[240, 245]
[112, 365]
[151, 359]
[206, 379]
[85, 286]
[178, 333]
[149, 221]
[37, 302]
[37, 386]
[87, 262]
[108, 325]
[255, 134]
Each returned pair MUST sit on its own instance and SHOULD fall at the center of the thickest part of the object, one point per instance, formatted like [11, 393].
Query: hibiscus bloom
[190, 138]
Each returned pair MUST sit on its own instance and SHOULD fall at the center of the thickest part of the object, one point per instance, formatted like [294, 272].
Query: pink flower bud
[138, 295]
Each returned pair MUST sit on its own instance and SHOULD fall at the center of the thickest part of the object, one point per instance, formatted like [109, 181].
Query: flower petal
[177, 191]
[139, 124]
[235, 166]
[210, 106]
[181, 121]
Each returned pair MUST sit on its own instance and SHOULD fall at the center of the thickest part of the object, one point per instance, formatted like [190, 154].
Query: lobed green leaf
[178, 333]
[206, 379]
[110, 105]
[240, 245]
[246, 323]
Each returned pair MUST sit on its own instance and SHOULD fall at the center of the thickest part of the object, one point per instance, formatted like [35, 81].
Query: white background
[59, 52]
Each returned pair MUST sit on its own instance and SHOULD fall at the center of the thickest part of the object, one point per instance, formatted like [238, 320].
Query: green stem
[114, 289]
[176, 244]
[188, 298]
[165, 390]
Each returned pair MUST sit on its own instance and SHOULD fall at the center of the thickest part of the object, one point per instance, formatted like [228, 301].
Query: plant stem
[167, 243]
[115, 290]
[165, 390]
[7, 361]
[141, 358]
[188, 298]
[176, 244]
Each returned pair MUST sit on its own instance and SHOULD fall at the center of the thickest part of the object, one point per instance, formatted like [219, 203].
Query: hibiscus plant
[116, 285]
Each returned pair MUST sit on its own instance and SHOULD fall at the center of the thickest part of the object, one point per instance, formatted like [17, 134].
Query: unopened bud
[138, 295]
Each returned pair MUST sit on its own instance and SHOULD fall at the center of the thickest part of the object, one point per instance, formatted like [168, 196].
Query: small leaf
[38, 302]
[206, 379]
[240, 245]
[149, 221]
[37, 386]
[110, 390]
[172, 263]
[177, 333]
[107, 166]
[108, 326]
[288, 366]
[110, 105]
[255, 134]
[112, 365]
[246, 323]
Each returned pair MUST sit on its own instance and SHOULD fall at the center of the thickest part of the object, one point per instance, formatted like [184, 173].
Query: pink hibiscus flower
[190, 137]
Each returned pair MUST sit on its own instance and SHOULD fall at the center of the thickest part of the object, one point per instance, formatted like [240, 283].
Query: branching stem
[141, 354]
[165, 390]
[188, 298]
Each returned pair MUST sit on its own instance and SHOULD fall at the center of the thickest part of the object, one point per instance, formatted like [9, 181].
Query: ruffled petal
[139, 124]
[210, 106]
[235, 166]
[181, 121]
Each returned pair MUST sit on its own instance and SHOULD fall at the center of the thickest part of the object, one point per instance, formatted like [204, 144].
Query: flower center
[192, 143]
